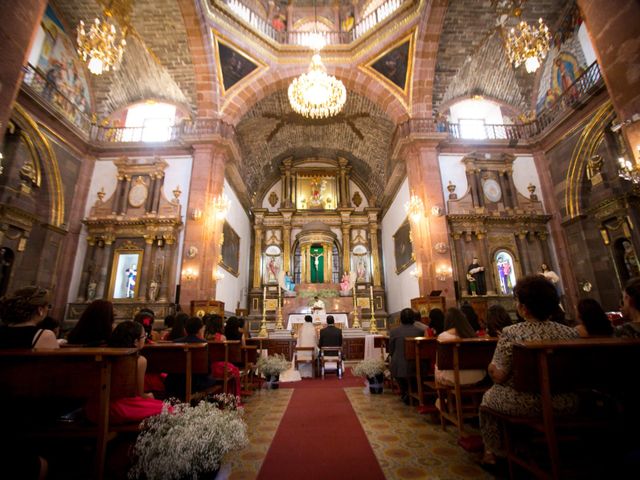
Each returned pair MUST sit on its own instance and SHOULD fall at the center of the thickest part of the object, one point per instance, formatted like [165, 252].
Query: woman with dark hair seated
[471, 315]
[178, 331]
[457, 327]
[213, 328]
[436, 320]
[536, 300]
[232, 330]
[94, 326]
[21, 312]
[169, 320]
[497, 319]
[593, 320]
[146, 317]
[129, 334]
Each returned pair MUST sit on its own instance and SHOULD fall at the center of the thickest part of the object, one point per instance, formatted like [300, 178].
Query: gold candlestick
[279, 325]
[263, 323]
[373, 328]
[356, 320]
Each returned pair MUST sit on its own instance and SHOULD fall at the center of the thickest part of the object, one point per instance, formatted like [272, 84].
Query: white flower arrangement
[369, 368]
[185, 441]
[273, 364]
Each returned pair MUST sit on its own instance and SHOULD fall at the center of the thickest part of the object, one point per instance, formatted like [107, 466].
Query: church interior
[276, 159]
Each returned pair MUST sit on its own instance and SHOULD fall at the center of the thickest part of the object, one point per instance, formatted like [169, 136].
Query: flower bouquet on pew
[373, 370]
[189, 442]
[271, 367]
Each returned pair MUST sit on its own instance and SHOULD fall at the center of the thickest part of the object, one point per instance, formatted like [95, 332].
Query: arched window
[473, 115]
[506, 273]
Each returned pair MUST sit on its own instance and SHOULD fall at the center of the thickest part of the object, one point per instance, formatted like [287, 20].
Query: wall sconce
[437, 211]
[196, 214]
[443, 272]
[189, 274]
[217, 275]
[415, 208]
[221, 205]
[415, 273]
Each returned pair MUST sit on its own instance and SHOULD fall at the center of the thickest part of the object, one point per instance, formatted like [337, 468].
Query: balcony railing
[37, 82]
[261, 25]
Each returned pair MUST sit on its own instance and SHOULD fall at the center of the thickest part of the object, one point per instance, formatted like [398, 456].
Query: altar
[319, 318]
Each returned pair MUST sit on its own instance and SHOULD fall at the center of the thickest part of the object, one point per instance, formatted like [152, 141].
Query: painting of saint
[234, 66]
[230, 258]
[402, 248]
[394, 65]
[506, 274]
[272, 268]
[564, 73]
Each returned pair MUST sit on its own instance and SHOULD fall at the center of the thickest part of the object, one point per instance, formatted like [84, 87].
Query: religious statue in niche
[91, 290]
[361, 269]
[630, 259]
[477, 272]
[318, 186]
[273, 269]
[551, 276]
[153, 290]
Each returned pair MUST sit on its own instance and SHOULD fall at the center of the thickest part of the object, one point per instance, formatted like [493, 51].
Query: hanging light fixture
[528, 44]
[315, 94]
[102, 43]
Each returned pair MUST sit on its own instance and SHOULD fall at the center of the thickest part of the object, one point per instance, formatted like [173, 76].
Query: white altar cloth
[317, 318]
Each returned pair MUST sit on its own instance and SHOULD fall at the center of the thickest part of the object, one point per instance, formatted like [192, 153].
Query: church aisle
[311, 426]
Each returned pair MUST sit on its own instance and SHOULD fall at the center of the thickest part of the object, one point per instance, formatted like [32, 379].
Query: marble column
[486, 262]
[523, 251]
[346, 247]
[146, 264]
[104, 268]
[117, 196]
[375, 256]
[85, 277]
[125, 195]
[257, 251]
[286, 247]
[167, 287]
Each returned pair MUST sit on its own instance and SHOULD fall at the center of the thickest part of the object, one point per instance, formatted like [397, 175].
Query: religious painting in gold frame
[234, 66]
[316, 191]
[402, 247]
[125, 273]
[230, 251]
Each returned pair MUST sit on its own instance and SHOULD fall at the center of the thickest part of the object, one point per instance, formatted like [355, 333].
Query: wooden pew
[464, 354]
[581, 366]
[186, 359]
[219, 352]
[422, 351]
[80, 375]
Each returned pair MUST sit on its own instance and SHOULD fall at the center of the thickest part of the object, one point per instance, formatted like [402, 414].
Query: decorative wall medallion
[356, 199]
[441, 247]
[138, 193]
[437, 211]
[492, 190]
[192, 251]
[273, 199]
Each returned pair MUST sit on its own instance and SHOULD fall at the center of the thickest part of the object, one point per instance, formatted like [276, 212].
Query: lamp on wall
[628, 171]
[443, 272]
[190, 274]
[415, 208]
[221, 205]
[415, 273]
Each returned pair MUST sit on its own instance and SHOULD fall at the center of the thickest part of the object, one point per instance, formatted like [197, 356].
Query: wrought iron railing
[283, 36]
[37, 82]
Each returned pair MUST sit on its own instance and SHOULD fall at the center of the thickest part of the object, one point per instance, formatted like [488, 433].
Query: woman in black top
[20, 314]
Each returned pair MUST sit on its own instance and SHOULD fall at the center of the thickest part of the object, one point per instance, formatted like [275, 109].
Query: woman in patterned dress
[536, 299]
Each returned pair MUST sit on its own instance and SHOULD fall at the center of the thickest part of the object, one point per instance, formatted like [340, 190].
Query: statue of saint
[272, 270]
[630, 260]
[91, 290]
[153, 290]
[361, 270]
[345, 283]
[131, 274]
[477, 272]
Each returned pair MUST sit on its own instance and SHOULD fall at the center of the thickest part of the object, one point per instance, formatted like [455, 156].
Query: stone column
[375, 255]
[346, 247]
[508, 202]
[513, 193]
[117, 196]
[328, 263]
[613, 30]
[146, 263]
[486, 262]
[170, 264]
[342, 178]
[151, 198]
[543, 238]
[104, 267]
[257, 247]
[89, 258]
[523, 250]
[18, 29]
[157, 191]
[125, 195]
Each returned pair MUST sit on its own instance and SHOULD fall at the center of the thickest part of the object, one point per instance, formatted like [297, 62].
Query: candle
[264, 293]
[371, 291]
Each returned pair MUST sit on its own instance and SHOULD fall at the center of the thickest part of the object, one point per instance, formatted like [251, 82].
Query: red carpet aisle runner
[320, 437]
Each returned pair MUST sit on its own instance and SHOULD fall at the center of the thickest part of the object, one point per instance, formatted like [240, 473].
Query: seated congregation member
[177, 330]
[593, 320]
[471, 315]
[50, 323]
[94, 325]
[330, 336]
[536, 300]
[630, 310]
[169, 320]
[402, 370]
[244, 328]
[232, 330]
[417, 321]
[214, 328]
[129, 334]
[21, 312]
[497, 319]
[436, 321]
[146, 317]
[307, 337]
[457, 327]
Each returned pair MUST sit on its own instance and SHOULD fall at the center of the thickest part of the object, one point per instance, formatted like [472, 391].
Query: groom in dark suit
[330, 336]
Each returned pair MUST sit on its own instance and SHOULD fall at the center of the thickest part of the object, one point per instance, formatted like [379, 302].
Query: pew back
[472, 353]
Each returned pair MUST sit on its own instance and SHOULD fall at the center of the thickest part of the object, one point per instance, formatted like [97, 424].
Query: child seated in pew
[130, 334]
[195, 333]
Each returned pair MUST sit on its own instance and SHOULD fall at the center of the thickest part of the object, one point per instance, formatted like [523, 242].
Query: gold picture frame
[123, 257]
[402, 247]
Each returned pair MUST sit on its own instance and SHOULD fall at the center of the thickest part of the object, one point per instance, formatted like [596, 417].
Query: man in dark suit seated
[330, 336]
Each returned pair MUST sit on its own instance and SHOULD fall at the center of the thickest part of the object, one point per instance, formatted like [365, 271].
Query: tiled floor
[405, 443]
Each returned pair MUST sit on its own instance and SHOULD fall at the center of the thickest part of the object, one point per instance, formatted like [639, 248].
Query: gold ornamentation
[101, 194]
[357, 199]
[273, 199]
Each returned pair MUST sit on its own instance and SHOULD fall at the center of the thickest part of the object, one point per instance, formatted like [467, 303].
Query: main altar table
[317, 318]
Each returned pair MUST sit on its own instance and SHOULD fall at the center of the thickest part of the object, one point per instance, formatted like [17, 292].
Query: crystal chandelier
[528, 44]
[315, 94]
[101, 44]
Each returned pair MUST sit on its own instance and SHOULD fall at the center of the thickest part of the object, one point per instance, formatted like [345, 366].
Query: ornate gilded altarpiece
[132, 243]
